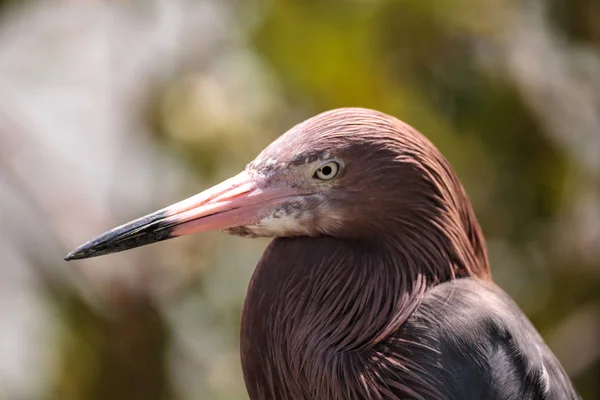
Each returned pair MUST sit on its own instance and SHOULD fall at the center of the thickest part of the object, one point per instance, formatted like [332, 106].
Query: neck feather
[312, 300]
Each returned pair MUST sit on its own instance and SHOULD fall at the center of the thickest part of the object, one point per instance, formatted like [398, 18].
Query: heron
[376, 284]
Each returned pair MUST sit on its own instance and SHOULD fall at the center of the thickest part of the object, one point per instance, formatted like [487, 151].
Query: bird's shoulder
[477, 343]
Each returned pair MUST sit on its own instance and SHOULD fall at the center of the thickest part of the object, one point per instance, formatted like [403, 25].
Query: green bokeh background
[457, 70]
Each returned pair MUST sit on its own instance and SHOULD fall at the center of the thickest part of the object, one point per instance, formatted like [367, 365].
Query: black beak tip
[142, 231]
[79, 253]
[86, 250]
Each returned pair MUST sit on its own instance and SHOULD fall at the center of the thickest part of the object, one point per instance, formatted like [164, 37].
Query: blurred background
[112, 109]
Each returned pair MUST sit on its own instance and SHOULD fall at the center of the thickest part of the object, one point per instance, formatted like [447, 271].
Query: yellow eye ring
[327, 171]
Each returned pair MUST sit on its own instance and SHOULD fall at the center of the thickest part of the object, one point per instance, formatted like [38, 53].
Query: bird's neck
[311, 299]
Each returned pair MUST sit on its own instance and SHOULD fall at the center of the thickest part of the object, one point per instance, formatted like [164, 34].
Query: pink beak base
[237, 201]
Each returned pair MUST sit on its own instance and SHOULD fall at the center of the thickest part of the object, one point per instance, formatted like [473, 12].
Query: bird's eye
[327, 171]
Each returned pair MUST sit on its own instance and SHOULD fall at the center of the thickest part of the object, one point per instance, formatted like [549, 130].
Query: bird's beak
[238, 201]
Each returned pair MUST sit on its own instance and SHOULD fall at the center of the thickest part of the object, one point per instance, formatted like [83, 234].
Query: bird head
[348, 172]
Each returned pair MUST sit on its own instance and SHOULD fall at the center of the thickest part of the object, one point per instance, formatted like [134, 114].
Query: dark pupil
[326, 170]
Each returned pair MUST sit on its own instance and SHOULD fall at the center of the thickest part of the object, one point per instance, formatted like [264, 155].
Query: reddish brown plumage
[377, 285]
[315, 302]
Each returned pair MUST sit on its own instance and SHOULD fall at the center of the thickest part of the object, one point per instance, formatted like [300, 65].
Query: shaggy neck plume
[321, 312]
[315, 303]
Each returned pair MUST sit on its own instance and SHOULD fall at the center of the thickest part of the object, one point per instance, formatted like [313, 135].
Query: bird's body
[466, 339]
[377, 284]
